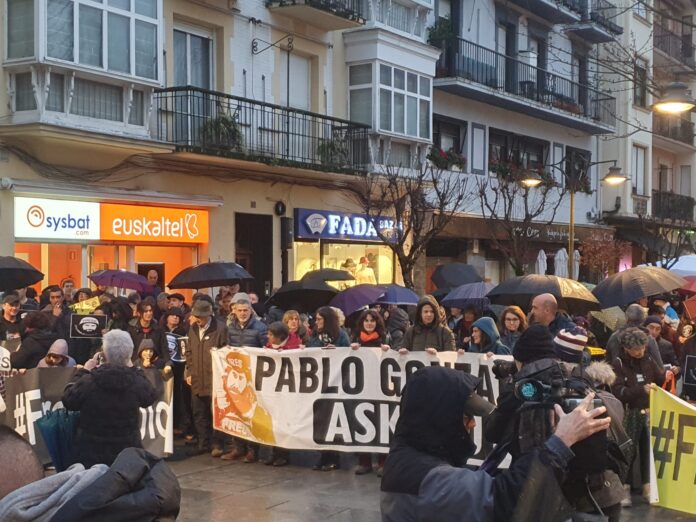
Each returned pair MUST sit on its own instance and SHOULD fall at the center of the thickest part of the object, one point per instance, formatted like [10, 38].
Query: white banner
[325, 399]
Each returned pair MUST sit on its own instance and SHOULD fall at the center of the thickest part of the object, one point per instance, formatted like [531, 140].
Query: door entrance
[254, 250]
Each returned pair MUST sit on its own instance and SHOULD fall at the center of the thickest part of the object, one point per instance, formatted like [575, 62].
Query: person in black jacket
[147, 328]
[109, 399]
[37, 340]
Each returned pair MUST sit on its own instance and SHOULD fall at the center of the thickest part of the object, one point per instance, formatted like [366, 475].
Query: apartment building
[658, 151]
[518, 83]
[231, 125]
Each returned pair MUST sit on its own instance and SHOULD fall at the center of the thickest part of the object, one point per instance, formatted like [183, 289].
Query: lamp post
[613, 177]
[676, 100]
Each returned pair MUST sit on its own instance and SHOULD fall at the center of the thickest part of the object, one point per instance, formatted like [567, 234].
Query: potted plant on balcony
[333, 152]
[221, 132]
[446, 160]
[440, 32]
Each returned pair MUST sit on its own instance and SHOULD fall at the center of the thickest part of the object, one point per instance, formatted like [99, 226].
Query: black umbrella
[635, 283]
[17, 273]
[571, 295]
[455, 274]
[329, 274]
[205, 275]
[305, 295]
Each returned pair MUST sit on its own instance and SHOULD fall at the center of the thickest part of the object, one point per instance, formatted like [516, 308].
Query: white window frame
[203, 33]
[375, 71]
[638, 176]
[378, 86]
[41, 37]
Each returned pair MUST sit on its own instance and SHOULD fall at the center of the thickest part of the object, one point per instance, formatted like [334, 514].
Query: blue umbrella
[58, 427]
[398, 295]
[354, 298]
[470, 294]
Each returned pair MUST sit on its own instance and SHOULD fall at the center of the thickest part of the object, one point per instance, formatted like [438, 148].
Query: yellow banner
[673, 437]
[85, 307]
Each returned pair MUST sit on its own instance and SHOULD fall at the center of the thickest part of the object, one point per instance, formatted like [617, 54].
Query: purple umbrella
[470, 294]
[398, 295]
[120, 279]
[357, 297]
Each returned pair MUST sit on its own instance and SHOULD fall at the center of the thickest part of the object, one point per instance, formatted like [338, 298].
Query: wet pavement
[215, 490]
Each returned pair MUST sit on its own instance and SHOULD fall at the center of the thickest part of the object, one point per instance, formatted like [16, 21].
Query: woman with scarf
[328, 334]
[297, 337]
[370, 332]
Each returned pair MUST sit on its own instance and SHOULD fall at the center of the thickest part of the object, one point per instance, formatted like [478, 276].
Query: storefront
[69, 239]
[344, 241]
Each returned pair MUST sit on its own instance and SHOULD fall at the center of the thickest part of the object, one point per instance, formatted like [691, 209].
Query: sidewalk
[215, 490]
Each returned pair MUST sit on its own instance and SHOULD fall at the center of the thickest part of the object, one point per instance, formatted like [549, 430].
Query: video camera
[503, 369]
[568, 393]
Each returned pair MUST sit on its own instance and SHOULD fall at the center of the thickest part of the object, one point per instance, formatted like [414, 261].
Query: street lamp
[614, 177]
[676, 100]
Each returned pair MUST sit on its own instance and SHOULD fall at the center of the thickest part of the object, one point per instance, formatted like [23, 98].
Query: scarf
[367, 337]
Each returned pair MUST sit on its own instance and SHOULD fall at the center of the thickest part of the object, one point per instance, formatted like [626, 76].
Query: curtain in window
[146, 8]
[385, 109]
[24, 93]
[180, 59]
[412, 116]
[145, 49]
[20, 28]
[118, 43]
[60, 33]
[399, 113]
[200, 61]
[361, 106]
[424, 119]
[137, 110]
[90, 36]
[97, 100]
[56, 93]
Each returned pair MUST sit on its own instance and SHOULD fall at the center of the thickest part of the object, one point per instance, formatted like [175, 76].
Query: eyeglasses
[512, 319]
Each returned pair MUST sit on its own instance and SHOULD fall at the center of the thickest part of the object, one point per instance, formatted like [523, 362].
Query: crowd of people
[162, 331]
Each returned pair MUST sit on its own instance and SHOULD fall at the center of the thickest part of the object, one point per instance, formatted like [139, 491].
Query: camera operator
[518, 426]
[424, 477]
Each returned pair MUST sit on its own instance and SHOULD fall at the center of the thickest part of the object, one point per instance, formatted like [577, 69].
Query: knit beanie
[570, 344]
[535, 343]
[652, 319]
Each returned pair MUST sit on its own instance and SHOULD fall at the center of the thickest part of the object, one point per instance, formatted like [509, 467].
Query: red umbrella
[690, 286]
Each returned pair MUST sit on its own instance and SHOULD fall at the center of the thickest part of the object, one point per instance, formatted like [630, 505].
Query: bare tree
[601, 253]
[417, 203]
[665, 240]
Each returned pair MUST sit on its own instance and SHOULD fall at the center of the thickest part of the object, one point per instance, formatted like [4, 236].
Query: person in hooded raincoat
[428, 333]
[486, 339]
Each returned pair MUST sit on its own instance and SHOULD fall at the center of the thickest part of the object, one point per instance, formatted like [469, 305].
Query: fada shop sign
[326, 224]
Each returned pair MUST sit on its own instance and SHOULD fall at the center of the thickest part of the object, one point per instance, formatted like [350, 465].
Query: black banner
[89, 326]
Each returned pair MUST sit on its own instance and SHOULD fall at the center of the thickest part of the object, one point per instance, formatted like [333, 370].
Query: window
[640, 8]
[24, 93]
[97, 100]
[20, 28]
[520, 151]
[640, 83]
[638, 163]
[193, 60]
[404, 99]
[127, 28]
[56, 93]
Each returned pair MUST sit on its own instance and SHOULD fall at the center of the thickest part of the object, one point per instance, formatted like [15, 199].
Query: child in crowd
[147, 356]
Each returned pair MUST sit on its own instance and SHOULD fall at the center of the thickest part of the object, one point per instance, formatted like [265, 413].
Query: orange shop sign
[152, 224]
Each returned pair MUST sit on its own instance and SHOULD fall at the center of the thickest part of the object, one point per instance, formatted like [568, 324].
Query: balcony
[472, 71]
[330, 15]
[597, 24]
[556, 11]
[678, 48]
[674, 128]
[668, 205]
[207, 122]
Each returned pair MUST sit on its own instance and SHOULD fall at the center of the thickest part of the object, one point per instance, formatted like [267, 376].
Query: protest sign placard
[338, 399]
[87, 326]
[29, 396]
[673, 432]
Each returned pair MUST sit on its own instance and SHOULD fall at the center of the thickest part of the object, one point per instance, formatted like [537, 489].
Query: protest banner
[30, 395]
[673, 441]
[318, 399]
[87, 326]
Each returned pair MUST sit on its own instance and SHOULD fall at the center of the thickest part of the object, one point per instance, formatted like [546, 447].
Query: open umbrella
[206, 275]
[303, 295]
[635, 283]
[17, 273]
[120, 279]
[571, 295]
[471, 294]
[329, 274]
[352, 299]
[612, 317]
[690, 286]
[398, 295]
[454, 274]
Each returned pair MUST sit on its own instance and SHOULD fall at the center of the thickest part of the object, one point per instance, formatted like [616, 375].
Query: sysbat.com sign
[36, 218]
[50, 219]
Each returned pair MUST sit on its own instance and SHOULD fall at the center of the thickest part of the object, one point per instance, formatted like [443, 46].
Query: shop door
[254, 250]
[144, 268]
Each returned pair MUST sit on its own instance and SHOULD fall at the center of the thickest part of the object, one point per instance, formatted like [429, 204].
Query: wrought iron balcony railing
[681, 48]
[668, 205]
[675, 128]
[464, 59]
[604, 13]
[209, 122]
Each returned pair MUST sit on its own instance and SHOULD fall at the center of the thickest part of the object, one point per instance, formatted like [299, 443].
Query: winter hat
[174, 310]
[570, 344]
[652, 319]
[202, 308]
[146, 344]
[241, 296]
[535, 343]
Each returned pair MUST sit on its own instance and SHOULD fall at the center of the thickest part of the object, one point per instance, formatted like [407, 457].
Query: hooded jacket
[155, 333]
[59, 347]
[109, 399]
[34, 347]
[436, 335]
[487, 326]
[424, 478]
